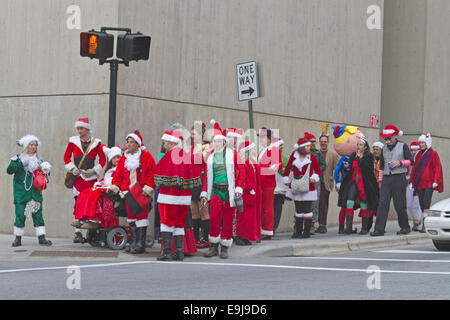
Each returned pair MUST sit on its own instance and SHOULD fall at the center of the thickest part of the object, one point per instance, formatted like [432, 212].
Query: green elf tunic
[220, 180]
[27, 199]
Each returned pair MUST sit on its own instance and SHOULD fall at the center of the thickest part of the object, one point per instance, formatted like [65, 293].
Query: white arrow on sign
[247, 80]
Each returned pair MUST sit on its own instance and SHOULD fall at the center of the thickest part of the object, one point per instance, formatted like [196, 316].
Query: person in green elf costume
[28, 199]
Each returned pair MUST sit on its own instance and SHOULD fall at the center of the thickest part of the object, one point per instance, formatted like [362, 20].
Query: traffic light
[133, 46]
[95, 44]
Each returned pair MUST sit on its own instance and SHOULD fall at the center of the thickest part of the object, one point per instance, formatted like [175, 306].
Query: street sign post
[247, 85]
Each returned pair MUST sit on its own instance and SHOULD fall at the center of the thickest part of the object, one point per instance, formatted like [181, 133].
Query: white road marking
[373, 259]
[413, 251]
[223, 265]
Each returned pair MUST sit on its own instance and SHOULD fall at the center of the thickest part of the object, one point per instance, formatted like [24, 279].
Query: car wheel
[442, 245]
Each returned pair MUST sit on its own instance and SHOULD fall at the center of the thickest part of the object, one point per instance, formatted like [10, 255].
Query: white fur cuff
[315, 177]
[226, 243]
[286, 180]
[70, 166]
[238, 190]
[98, 170]
[214, 239]
[204, 194]
[148, 190]
[178, 232]
[114, 189]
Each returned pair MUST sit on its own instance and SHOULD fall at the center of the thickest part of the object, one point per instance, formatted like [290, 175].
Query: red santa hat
[277, 142]
[172, 136]
[218, 133]
[390, 131]
[427, 139]
[235, 133]
[136, 136]
[112, 152]
[246, 146]
[83, 123]
[310, 136]
[414, 145]
[302, 142]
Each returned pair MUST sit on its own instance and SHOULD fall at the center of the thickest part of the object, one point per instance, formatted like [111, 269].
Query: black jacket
[366, 164]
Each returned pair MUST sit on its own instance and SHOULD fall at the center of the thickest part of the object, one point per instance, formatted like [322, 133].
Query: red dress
[248, 224]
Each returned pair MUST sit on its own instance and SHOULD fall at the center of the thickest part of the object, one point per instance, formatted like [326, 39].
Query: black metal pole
[114, 67]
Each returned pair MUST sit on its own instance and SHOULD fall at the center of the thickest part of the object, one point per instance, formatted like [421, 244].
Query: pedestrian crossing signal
[133, 47]
[97, 45]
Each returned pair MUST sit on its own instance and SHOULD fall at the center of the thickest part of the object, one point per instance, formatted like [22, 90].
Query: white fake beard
[33, 161]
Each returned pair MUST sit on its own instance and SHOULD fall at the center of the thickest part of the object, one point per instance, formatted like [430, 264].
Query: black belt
[220, 187]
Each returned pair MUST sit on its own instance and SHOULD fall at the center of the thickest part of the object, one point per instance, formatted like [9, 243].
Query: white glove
[338, 187]
[46, 167]
[252, 192]
[435, 185]
[114, 189]
[75, 171]
[410, 186]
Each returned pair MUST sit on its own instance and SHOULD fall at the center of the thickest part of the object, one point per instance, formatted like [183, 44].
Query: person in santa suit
[299, 162]
[134, 179]
[270, 162]
[88, 202]
[247, 224]
[412, 201]
[224, 181]
[27, 198]
[87, 175]
[175, 178]
[395, 160]
[426, 176]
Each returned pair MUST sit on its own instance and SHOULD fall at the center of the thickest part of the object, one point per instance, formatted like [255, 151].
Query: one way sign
[247, 80]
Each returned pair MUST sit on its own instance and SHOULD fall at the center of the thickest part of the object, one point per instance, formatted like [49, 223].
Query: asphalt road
[404, 273]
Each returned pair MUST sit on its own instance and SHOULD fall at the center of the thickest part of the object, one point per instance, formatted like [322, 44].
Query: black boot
[166, 254]
[213, 250]
[17, 241]
[43, 241]
[341, 230]
[204, 224]
[307, 232]
[179, 250]
[364, 228]
[133, 232]
[140, 241]
[223, 252]
[369, 224]
[196, 229]
[348, 224]
[298, 228]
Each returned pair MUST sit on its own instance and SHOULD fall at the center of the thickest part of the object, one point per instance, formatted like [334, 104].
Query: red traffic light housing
[99, 45]
[133, 46]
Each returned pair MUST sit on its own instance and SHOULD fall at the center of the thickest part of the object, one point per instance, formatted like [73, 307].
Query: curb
[308, 249]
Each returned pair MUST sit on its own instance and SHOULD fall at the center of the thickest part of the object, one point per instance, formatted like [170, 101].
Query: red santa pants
[221, 213]
[141, 219]
[267, 211]
[173, 217]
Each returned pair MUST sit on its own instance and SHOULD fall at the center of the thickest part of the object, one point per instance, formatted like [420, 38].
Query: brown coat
[332, 160]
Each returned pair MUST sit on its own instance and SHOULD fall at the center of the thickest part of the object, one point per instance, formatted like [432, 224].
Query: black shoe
[166, 254]
[322, 229]
[43, 241]
[341, 230]
[179, 249]
[403, 232]
[377, 233]
[223, 252]
[370, 223]
[17, 241]
[242, 242]
[140, 241]
[133, 237]
[213, 250]
[348, 225]
[266, 237]
[298, 228]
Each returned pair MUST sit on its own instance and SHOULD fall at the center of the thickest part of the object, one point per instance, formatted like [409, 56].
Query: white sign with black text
[247, 79]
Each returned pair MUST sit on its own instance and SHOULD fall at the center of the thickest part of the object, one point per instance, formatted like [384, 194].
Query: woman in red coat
[299, 162]
[248, 225]
[426, 174]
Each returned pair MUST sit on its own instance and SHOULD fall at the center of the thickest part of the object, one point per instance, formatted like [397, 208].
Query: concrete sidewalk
[281, 246]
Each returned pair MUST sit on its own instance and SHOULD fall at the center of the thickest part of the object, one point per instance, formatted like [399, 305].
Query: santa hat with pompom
[112, 152]
[390, 131]
[427, 139]
[218, 133]
[26, 140]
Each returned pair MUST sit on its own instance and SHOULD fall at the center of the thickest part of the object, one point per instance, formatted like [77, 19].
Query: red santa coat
[268, 159]
[432, 172]
[75, 150]
[299, 168]
[235, 175]
[248, 224]
[145, 174]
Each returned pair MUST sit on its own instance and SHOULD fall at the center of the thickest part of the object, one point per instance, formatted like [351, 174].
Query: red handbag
[40, 180]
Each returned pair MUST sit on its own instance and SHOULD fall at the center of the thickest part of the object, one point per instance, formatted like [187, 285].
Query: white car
[437, 225]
